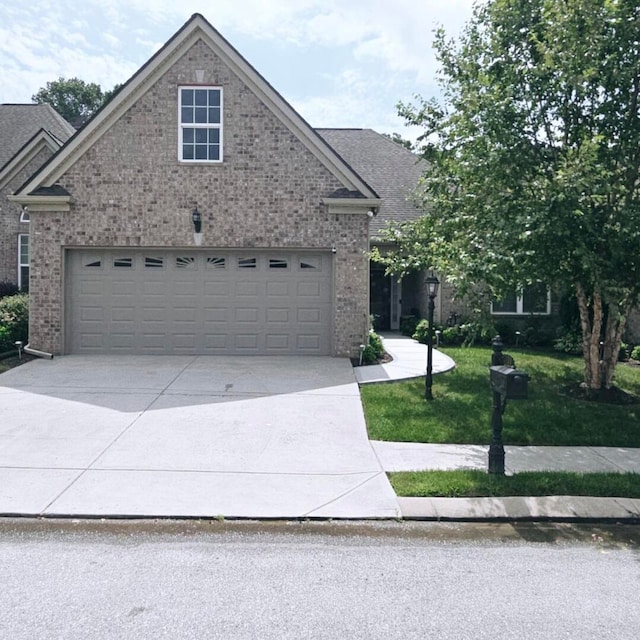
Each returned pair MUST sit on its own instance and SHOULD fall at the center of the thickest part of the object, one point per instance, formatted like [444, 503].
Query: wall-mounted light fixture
[196, 218]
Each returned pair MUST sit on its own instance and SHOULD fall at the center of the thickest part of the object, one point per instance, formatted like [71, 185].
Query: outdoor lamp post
[432, 289]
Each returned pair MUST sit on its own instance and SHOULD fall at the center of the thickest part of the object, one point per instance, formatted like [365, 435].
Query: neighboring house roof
[387, 166]
[19, 123]
[197, 28]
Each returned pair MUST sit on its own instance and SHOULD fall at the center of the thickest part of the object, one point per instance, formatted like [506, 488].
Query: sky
[339, 63]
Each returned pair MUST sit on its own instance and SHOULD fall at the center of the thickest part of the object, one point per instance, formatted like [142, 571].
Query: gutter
[37, 352]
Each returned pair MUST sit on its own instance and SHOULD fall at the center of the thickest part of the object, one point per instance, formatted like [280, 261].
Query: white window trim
[202, 125]
[24, 216]
[519, 310]
[21, 264]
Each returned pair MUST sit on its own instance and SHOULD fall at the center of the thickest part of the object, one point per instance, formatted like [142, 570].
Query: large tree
[74, 99]
[534, 161]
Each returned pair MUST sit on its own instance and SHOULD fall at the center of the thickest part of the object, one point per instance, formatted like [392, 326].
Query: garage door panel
[199, 301]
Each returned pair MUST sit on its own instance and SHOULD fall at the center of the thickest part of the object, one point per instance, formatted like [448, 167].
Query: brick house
[29, 135]
[197, 212]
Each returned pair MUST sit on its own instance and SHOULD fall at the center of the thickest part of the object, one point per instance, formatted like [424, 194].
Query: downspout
[37, 353]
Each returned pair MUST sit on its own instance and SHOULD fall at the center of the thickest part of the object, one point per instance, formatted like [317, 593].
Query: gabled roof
[196, 28]
[387, 166]
[20, 122]
[40, 140]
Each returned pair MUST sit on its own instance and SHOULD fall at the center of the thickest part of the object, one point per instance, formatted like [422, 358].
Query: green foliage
[374, 350]
[14, 320]
[74, 99]
[569, 341]
[635, 354]
[468, 333]
[623, 353]
[408, 325]
[396, 137]
[532, 154]
[458, 484]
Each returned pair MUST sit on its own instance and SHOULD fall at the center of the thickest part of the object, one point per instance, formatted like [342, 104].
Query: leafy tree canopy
[534, 161]
[74, 99]
[396, 137]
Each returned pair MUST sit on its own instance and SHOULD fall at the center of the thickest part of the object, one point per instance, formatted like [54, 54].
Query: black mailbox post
[507, 383]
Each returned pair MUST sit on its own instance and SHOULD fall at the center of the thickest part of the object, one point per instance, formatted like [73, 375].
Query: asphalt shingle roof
[391, 170]
[20, 122]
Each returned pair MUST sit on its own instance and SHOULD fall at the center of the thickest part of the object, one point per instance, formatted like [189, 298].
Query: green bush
[14, 320]
[623, 354]
[408, 325]
[569, 341]
[635, 354]
[452, 336]
[374, 350]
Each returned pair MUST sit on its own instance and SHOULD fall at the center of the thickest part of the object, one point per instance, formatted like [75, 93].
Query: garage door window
[247, 263]
[278, 263]
[185, 262]
[216, 262]
[123, 263]
[310, 262]
[153, 262]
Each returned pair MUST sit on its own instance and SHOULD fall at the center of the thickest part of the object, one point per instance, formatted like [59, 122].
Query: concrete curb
[522, 509]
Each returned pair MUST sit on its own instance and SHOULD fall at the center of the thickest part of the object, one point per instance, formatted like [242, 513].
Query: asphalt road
[293, 580]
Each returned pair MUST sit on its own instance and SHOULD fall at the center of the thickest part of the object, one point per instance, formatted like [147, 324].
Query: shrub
[635, 354]
[421, 332]
[14, 320]
[623, 354]
[374, 350]
[569, 341]
[8, 288]
[452, 336]
[408, 325]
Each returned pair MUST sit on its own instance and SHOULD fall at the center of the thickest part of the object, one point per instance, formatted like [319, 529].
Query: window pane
[247, 263]
[187, 96]
[24, 249]
[123, 262]
[214, 115]
[201, 136]
[187, 152]
[214, 136]
[153, 263]
[214, 152]
[201, 97]
[201, 152]
[201, 115]
[185, 262]
[509, 304]
[214, 262]
[214, 97]
[187, 115]
[187, 135]
[534, 298]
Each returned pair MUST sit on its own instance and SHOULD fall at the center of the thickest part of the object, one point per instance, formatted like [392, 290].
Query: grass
[460, 412]
[458, 484]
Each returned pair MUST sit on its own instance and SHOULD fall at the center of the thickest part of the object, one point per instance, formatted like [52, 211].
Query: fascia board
[352, 205]
[43, 203]
[25, 155]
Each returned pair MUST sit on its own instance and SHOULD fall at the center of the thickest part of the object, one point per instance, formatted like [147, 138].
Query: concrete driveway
[204, 436]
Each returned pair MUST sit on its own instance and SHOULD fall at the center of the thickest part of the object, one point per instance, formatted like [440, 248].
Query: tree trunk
[591, 329]
[616, 320]
[600, 357]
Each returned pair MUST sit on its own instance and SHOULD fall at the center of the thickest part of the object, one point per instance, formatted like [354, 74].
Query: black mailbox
[510, 383]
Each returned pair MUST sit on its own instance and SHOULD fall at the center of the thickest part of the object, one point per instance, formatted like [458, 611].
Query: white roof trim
[43, 203]
[196, 28]
[40, 140]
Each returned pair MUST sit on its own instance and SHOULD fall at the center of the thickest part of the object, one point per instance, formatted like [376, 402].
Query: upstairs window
[200, 137]
[534, 299]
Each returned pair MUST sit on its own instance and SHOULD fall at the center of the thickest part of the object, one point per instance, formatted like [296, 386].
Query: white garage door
[198, 302]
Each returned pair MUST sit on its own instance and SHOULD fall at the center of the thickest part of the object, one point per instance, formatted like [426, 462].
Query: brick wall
[130, 190]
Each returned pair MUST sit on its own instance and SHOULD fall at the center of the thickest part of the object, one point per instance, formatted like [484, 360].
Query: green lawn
[461, 410]
[463, 484]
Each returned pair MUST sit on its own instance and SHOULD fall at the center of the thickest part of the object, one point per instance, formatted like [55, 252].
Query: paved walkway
[409, 362]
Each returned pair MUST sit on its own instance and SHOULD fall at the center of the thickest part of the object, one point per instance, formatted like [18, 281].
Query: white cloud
[371, 53]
